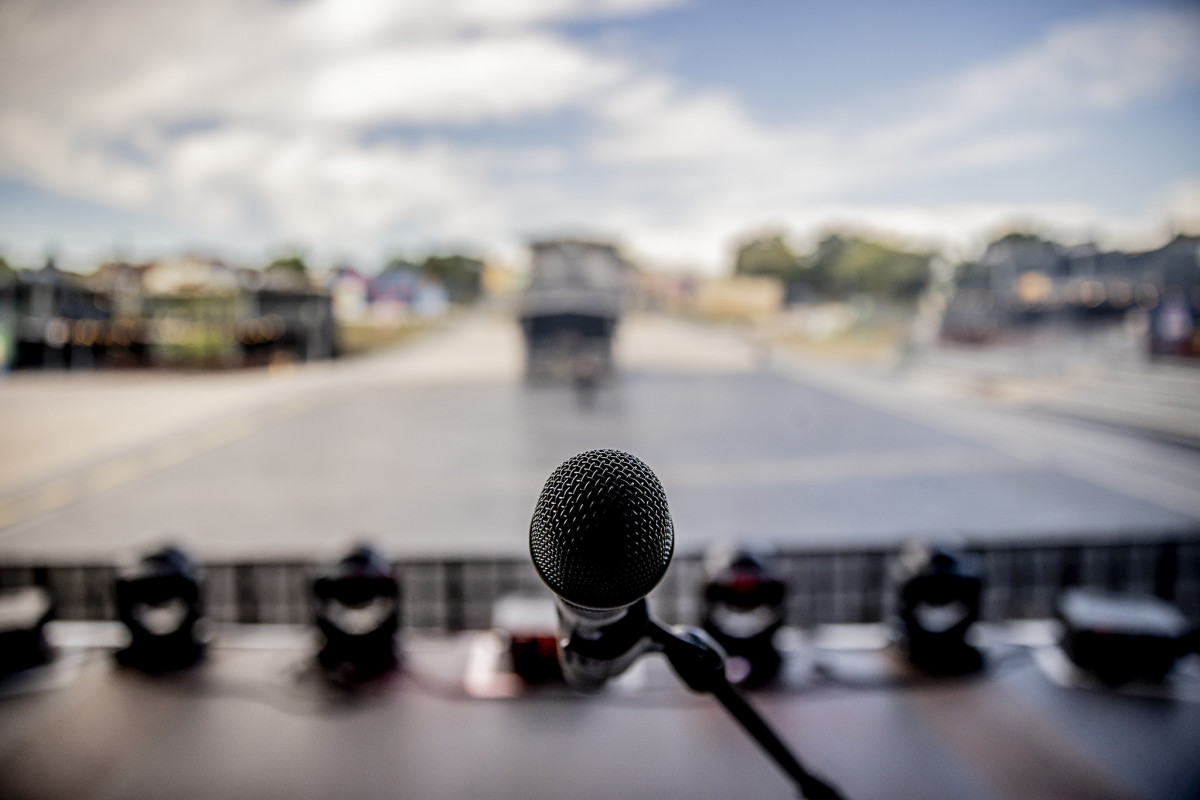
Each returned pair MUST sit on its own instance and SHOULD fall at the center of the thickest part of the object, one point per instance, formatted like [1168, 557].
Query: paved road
[440, 447]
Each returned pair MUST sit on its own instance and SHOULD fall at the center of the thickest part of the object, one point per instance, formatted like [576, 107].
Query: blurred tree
[845, 264]
[6, 271]
[1021, 237]
[400, 264]
[288, 273]
[842, 265]
[767, 255]
[293, 263]
[461, 275]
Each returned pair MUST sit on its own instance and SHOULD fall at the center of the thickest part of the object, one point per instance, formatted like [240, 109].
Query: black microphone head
[601, 535]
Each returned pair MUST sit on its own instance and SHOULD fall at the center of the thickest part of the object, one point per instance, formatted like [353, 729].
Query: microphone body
[601, 538]
[595, 645]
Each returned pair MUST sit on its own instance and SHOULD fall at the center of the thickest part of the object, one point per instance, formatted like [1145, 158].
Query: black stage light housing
[939, 601]
[743, 610]
[161, 602]
[531, 625]
[535, 658]
[24, 613]
[358, 614]
[1120, 637]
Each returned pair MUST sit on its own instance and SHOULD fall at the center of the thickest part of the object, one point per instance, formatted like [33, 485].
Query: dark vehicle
[570, 309]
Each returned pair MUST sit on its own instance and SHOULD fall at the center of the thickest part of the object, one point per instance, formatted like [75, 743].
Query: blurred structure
[670, 292]
[530, 623]
[403, 288]
[1119, 636]
[1024, 282]
[570, 309]
[743, 609]
[738, 297]
[348, 289]
[186, 312]
[24, 613]
[358, 614]
[939, 599]
[161, 602]
[392, 292]
[1021, 581]
[55, 319]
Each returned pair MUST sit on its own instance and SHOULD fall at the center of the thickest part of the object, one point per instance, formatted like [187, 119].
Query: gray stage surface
[254, 722]
[440, 448]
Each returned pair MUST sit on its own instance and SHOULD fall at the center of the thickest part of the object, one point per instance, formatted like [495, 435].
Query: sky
[355, 130]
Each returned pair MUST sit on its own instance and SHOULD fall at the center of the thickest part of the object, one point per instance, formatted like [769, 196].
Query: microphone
[601, 538]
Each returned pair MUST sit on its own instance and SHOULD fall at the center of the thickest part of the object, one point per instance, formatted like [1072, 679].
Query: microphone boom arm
[699, 662]
[603, 644]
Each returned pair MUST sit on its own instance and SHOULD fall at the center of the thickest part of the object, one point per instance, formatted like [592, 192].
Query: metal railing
[825, 586]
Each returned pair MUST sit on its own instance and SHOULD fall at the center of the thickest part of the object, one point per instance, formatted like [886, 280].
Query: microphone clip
[694, 655]
[608, 641]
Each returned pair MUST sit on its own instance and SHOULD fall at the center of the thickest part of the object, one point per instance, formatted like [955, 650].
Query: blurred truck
[570, 309]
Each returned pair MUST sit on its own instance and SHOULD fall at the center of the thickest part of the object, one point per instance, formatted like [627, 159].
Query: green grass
[358, 338]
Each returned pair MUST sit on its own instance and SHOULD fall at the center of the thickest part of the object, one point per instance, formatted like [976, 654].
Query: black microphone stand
[699, 663]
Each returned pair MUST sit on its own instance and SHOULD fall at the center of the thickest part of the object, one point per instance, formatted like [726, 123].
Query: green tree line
[461, 275]
[841, 265]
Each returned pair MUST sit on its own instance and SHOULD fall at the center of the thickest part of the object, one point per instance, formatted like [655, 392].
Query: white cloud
[247, 117]
[1095, 65]
[652, 121]
[358, 21]
[1101, 64]
[728, 173]
[274, 98]
[117, 65]
[1181, 204]
[992, 113]
[458, 81]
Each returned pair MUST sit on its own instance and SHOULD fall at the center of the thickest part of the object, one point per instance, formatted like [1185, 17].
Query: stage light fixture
[161, 602]
[939, 601]
[531, 627]
[24, 613]
[1122, 637]
[743, 610]
[358, 614]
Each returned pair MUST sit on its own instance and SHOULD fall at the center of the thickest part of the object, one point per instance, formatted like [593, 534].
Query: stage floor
[255, 721]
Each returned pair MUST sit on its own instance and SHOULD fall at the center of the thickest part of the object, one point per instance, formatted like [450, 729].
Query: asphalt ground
[440, 447]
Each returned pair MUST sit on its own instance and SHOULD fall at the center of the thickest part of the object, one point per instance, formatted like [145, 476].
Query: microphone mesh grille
[601, 535]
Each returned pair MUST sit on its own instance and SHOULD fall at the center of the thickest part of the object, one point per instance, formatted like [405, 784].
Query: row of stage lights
[938, 600]
[1115, 637]
[160, 601]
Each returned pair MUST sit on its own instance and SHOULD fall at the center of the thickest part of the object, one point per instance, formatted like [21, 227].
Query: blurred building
[393, 291]
[498, 281]
[185, 312]
[52, 319]
[348, 289]
[288, 317]
[1023, 281]
[737, 297]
